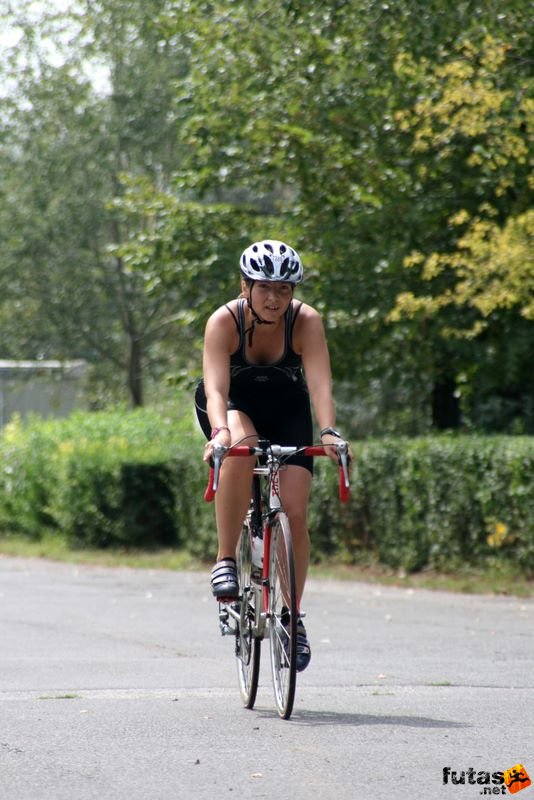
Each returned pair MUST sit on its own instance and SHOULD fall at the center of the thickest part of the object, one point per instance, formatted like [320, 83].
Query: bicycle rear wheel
[248, 646]
[283, 616]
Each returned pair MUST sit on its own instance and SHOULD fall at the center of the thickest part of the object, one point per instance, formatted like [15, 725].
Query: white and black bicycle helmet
[271, 260]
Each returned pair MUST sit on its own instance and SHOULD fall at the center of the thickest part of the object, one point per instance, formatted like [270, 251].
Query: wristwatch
[331, 431]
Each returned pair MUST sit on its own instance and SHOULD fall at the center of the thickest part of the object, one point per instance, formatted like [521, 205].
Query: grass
[55, 549]
[60, 697]
[497, 580]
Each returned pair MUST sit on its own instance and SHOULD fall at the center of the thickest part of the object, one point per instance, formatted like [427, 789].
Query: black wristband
[331, 431]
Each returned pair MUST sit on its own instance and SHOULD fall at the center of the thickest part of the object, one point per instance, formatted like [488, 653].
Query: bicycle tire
[248, 646]
[283, 616]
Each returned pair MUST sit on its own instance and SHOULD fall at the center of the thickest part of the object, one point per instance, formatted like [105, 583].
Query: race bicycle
[267, 602]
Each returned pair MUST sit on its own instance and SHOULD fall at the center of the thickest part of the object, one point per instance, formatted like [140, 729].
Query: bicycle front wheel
[248, 646]
[283, 616]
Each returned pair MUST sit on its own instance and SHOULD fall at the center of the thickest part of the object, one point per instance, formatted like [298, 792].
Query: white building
[46, 388]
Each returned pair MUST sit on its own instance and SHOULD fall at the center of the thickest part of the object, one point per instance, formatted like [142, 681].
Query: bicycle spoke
[247, 644]
[283, 616]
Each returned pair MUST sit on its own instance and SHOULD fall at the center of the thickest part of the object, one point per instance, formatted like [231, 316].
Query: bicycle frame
[268, 603]
[273, 505]
[274, 455]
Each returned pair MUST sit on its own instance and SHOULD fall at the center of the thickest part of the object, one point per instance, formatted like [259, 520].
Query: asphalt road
[116, 684]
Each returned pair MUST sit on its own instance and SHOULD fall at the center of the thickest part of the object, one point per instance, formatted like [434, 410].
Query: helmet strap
[256, 319]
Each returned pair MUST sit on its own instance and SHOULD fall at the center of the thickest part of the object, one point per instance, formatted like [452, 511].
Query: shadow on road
[313, 718]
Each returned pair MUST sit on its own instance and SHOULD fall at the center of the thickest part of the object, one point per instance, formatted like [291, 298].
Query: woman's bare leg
[295, 484]
[232, 498]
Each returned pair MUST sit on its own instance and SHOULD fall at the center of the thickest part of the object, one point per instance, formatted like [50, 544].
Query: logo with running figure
[516, 778]
[490, 783]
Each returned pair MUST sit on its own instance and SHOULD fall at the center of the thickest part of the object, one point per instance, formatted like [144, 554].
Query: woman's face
[270, 299]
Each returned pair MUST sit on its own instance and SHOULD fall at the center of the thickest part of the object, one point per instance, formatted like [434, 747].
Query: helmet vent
[268, 266]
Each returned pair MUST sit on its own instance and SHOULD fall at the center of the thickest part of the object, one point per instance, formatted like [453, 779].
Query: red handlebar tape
[344, 491]
[209, 494]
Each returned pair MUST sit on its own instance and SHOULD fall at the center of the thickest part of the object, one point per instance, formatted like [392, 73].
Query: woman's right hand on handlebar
[222, 437]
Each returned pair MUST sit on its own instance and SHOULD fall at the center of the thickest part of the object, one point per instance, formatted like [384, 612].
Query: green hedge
[101, 480]
[436, 502]
[136, 479]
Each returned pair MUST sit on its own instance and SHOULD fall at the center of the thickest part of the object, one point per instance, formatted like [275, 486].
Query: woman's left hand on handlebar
[330, 439]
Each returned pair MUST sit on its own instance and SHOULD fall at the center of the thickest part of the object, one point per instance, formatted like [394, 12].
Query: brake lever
[344, 461]
[217, 456]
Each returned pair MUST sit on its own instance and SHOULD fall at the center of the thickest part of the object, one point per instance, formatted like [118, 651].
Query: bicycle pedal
[226, 630]
[224, 623]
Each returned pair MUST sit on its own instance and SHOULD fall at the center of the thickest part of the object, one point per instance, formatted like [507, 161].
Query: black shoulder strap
[292, 319]
[239, 322]
[235, 318]
[241, 314]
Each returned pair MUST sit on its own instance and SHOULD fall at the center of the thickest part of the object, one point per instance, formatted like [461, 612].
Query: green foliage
[381, 123]
[361, 131]
[26, 478]
[64, 147]
[137, 480]
[437, 502]
[104, 479]
[105, 498]
[468, 118]
[176, 249]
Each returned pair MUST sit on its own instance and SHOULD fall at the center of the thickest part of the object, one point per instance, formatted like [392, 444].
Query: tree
[308, 107]
[470, 132]
[343, 127]
[67, 149]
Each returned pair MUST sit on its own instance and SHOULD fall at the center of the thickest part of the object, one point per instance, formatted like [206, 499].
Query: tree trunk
[135, 373]
[445, 405]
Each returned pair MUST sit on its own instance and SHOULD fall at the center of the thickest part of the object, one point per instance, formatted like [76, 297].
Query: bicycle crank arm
[227, 628]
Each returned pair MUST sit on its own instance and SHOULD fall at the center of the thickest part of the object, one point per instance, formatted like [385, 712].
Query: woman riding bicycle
[255, 351]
